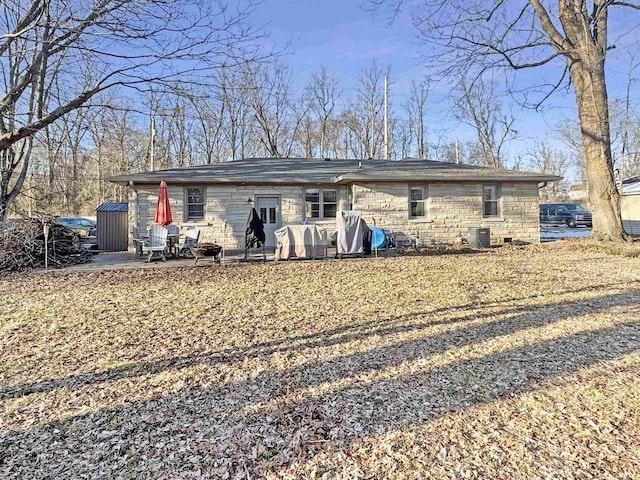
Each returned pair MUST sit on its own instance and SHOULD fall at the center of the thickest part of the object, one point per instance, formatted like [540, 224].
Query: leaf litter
[514, 363]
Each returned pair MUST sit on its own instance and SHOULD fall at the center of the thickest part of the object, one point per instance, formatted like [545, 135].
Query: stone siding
[227, 206]
[452, 208]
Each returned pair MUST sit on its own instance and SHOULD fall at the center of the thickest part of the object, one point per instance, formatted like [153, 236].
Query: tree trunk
[591, 95]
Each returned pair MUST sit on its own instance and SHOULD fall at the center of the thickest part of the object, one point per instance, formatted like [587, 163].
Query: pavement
[131, 260]
[553, 233]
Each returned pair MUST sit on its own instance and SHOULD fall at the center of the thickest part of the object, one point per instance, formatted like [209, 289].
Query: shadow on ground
[269, 420]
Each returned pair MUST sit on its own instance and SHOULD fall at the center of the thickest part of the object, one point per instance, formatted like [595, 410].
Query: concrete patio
[130, 260]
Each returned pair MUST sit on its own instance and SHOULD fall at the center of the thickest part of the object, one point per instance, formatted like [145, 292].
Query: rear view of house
[417, 198]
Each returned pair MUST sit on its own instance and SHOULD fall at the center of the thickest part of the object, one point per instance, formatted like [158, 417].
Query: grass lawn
[517, 363]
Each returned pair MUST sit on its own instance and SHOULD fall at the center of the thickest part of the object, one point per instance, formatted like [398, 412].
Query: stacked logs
[22, 246]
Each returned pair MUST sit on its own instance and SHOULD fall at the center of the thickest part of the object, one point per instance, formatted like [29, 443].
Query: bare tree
[415, 112]
[479, 106]
[130, 43]
[572, 35]
[322, 95]
[364, 117]
[546, 159]
[274, 107]
[568, 131]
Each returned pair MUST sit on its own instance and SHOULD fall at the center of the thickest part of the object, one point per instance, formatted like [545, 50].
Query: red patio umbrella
[163, 210]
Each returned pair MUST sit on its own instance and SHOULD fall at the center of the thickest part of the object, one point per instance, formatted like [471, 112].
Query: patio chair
[157, 243]
[138, 241]
[190, 240]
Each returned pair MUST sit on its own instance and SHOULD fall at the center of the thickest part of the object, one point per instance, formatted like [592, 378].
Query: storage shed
[113, 227]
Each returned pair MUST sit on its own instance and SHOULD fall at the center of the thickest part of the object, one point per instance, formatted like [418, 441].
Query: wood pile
[22, 246]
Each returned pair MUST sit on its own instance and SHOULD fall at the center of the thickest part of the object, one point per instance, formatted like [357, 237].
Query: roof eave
[447, 178]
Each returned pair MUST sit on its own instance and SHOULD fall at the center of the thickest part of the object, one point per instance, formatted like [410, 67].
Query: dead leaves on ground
[520, 363]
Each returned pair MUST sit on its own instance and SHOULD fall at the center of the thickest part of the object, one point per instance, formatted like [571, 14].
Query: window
[320, 203]
[417, 199]
[329, 203]
[195, 204]
[491, 200]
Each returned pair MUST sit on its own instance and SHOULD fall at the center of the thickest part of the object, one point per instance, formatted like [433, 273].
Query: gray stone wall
[451, 209]
[227, 209]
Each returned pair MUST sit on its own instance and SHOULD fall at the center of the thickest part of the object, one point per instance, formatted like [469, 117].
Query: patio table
[172, 244]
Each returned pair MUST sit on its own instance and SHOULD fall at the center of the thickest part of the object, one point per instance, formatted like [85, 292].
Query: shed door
[269, 211]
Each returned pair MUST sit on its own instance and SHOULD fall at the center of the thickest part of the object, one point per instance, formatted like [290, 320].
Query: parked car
[82, 226]
[569, 214]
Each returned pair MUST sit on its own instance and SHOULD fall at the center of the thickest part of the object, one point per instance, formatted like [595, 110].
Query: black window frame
[497, 200]
[424, 189]
[323, 213]
[187, 203]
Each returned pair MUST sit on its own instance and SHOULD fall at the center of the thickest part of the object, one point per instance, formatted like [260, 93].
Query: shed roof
[315, 171]
[113, 207]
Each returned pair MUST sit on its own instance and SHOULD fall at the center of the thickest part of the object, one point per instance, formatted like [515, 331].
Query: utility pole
[386, 119]
[457, 153]
[152, 132]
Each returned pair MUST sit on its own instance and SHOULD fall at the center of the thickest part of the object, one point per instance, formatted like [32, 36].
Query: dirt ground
[513, 363]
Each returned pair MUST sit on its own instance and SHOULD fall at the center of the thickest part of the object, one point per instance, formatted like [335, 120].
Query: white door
[269, 211]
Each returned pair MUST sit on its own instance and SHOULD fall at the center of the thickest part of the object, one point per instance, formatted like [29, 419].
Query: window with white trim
[491, 200]
[320, 203]
[418, 201]
[194, 206]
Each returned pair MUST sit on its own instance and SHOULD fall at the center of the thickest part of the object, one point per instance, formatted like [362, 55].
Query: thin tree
[323, 93]
[479, 106]
[544, 158]
[416, 112]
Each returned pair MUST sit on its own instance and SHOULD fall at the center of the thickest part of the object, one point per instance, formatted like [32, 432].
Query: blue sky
[342, 36]
[345, 38]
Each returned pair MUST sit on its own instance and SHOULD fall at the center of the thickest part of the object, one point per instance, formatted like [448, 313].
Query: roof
[315, 171]
[113, 207]
[631, 185]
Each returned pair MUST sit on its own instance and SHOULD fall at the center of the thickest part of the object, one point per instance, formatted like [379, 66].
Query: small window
[491, 200]
[195, 203]
[417, 198]
[320, 203]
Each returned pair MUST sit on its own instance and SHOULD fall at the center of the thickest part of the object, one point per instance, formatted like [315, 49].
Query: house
[433, 200]
[579, 193]
[630, 205]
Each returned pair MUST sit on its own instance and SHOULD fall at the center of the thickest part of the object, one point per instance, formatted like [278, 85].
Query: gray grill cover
[350, 232]
[299, 241]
